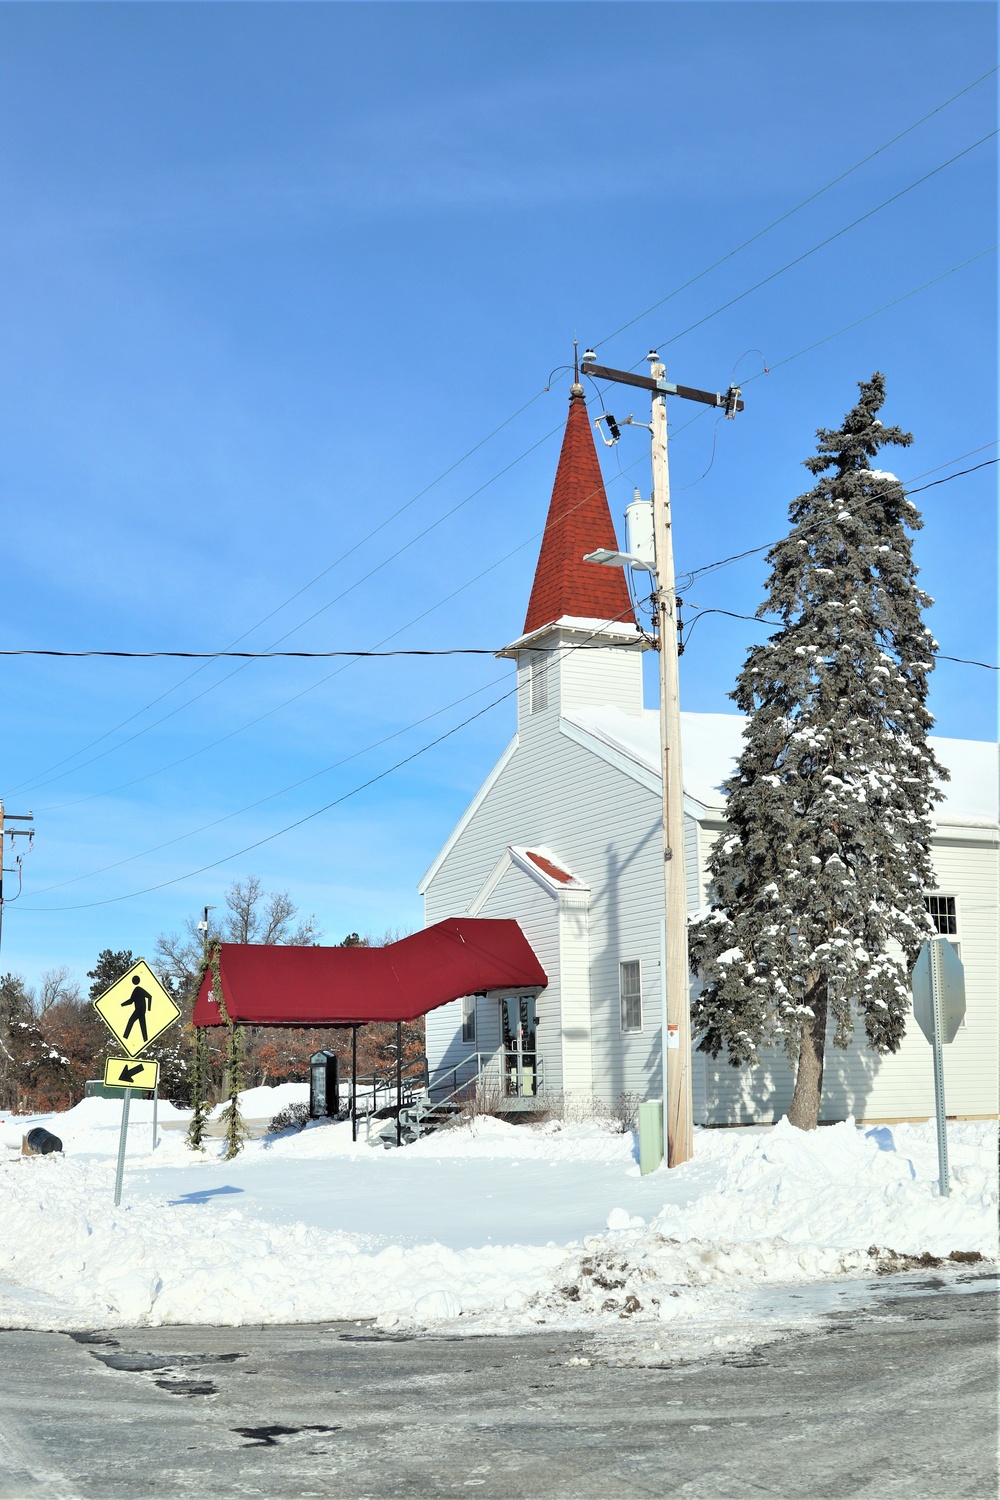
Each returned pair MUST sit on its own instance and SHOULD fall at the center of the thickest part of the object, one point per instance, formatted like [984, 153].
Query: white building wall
[520, 897]
[593, 678]
[609, 837]
[899, 1086]
[603, 823]
[576, 1016]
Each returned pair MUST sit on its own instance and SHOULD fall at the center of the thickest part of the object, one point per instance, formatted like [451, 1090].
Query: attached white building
[564, 836]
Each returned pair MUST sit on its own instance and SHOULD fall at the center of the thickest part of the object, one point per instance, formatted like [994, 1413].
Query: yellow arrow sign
[136, 1009]
[122, 1073]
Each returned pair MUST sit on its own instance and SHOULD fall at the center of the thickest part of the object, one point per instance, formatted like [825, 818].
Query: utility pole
[678, 1118]
[12, 834]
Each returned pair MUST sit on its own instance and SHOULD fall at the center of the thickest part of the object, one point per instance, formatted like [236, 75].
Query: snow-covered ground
[503, 1226]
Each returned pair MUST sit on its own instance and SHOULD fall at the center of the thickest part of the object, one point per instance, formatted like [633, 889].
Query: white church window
[539, 681]
[469, 1019]
[630, 985]
[943, 912]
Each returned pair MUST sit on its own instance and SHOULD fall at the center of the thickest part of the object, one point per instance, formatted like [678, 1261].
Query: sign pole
[121, 1147]
[156, 1100]
[937, 987]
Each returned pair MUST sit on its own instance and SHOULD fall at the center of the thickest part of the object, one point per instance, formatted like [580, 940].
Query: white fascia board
[965, 831]
[623, 762]
[490, 884]
[468, 815]
[575, 895]
[570, 624]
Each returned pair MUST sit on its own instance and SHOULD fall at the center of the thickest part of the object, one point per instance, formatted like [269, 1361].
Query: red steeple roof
[579, 521]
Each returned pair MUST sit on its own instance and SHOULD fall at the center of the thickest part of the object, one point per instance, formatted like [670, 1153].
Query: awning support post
[399, 1082]
[354, 1083]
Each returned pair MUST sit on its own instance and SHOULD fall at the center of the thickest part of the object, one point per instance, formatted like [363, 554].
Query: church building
[564, 837]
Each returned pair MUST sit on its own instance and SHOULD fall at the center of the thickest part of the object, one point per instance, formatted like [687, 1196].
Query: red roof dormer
[578, 522]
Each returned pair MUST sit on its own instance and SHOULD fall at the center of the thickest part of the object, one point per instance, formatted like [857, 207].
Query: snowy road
[894, 1399]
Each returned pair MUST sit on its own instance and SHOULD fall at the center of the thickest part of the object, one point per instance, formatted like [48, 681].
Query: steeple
[578, 522]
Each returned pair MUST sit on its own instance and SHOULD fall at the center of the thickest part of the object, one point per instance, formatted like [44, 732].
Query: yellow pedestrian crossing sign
[123, 1073]
[136, 1009]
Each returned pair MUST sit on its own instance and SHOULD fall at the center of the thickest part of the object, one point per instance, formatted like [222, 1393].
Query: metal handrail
[418, 1110]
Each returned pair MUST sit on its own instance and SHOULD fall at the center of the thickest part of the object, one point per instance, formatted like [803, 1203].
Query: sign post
[938, 986]
[121, 1147]
[136, 1003]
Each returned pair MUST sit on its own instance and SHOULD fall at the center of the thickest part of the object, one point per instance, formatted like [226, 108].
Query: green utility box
[650, 1135]
[94, 1089]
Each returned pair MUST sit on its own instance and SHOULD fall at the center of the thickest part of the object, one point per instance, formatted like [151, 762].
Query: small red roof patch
[548, 868]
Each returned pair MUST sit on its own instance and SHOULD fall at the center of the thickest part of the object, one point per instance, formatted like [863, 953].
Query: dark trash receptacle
[39, 1142]
[324, 1091]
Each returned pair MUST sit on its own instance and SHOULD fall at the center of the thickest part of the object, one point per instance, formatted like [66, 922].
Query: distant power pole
[12, 834]
[677, 1105]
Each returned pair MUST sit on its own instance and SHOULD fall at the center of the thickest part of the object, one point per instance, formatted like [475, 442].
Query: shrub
[292, 1117]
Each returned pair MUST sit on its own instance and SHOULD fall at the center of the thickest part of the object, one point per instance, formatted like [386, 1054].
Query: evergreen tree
[109, 967]
[817, 889]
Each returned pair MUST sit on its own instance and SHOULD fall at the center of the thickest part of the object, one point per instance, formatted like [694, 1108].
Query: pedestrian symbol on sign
[142, 1001]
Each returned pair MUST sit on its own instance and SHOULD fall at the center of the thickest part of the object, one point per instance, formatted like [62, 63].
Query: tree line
[52, 1041]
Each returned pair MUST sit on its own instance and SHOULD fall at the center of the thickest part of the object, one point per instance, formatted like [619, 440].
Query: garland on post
[236, 1131]
[199, 1072]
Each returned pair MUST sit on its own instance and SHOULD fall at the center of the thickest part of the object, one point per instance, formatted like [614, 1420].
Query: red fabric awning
[279, 986]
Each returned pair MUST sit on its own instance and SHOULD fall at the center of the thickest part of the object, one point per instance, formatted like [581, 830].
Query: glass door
[519, 1028]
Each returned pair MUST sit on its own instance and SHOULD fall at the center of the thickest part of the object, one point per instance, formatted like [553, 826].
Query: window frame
[954, 938]
[624, 1000]
[470, 1021]
[939, 895]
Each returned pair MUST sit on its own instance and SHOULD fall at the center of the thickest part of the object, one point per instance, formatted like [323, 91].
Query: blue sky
[268, 272]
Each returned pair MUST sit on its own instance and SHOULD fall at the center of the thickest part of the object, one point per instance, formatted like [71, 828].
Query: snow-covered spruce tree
[817, 888]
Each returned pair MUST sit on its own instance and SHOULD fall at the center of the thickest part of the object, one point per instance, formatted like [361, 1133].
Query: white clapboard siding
[520, 897]
[900, 1086]
[610, 839]
[586, 787]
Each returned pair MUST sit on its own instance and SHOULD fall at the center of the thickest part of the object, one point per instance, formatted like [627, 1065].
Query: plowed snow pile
[503, 1225]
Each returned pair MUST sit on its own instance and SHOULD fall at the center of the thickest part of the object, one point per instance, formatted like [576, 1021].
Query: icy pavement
[498, 1226]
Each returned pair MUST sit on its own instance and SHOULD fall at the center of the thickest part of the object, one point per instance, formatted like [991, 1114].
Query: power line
[36, 783]
[732, 614]
[263, 655]
[308, 817]
[792, 211]
[828, 241]
[693, 573]
[499, 562]
[270, 796]
[506, 422]
[469, 650]
[249, 724]
[884, 308]
[966, 661]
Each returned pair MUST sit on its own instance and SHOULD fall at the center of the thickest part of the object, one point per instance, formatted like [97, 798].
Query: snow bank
[265, 1102]
[842, 1188]
[153, 1263]
[792, 1207]
[764, 1206]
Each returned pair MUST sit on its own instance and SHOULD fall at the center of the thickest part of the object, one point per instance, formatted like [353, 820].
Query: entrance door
[519, 1027]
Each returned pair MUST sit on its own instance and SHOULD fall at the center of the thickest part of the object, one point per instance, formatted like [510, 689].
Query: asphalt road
[895, 1399]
